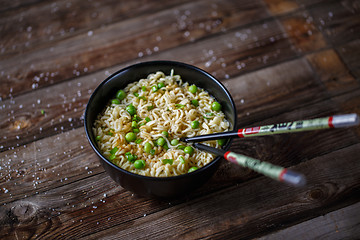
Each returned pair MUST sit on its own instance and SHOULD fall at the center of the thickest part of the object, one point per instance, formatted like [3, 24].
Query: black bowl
[161, 187]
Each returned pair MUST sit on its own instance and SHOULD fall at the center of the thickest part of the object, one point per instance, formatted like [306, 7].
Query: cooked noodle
[167, 109]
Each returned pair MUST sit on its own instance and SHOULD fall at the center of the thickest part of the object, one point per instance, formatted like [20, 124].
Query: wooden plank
[338, 20]
[64, 20]
[274, 89]
[80, 207]
[282, 7]
[132, 38]
[52, 185]
[36, 167]
[277, 7]
[283, 206]
[340, 224]
[332, 71]
[267, 89]
[280, 150]
[46, 112]
[63, 172]
[350, 103]
[350, 54]
[302, 32]
[310, 3]
[210, 54]
[74, 209]
[47, 164]
[7, 5]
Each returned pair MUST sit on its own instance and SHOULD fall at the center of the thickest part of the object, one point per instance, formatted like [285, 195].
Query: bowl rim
[156, 62]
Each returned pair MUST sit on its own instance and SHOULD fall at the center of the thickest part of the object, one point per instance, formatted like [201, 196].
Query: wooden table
[282, 60]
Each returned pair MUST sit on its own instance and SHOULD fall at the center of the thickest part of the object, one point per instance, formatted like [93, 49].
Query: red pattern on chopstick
[330, 122]
[281, 175]
[248, 131]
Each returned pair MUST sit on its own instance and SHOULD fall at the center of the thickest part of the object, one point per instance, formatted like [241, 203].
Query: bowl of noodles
[135, 118]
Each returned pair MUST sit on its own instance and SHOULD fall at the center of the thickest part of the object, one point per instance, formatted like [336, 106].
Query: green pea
[98, 138]
[152, 151]
[139, 164]
[222, 141]
[131, 109]
[182, 160]
[143, 88]
[165, 133]
[195, 102]
[161, 141]
[130, 137]
[216, 106]
[193, 89]
[134, 124]
[189, 150]
[154, 88]
[147, 147]
[115, 101]
[195, 124]
[161, 85]
[120, 95]
[192, 169]
[174, 142]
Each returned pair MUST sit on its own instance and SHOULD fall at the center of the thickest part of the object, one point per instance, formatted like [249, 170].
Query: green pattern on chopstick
[264, 168]
[296, 126]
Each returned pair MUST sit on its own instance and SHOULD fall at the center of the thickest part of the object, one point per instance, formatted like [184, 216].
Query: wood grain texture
[349, 53]
[281, 60]
[150, 218]
[132, 38]
[45, 24]
[238, 206]
[7, 5]
[334, 225]
[338, 20]
[242, 56]
[277, 7]
[332, 72]
[303, 32]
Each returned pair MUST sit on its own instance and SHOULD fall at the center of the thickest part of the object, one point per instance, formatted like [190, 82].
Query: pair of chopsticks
[265, 168]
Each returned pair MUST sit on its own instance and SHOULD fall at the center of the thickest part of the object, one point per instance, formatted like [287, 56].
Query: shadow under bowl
[159, 187]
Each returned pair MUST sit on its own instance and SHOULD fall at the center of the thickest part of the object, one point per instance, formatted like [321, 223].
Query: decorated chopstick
[265, 168]
[337, 121]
